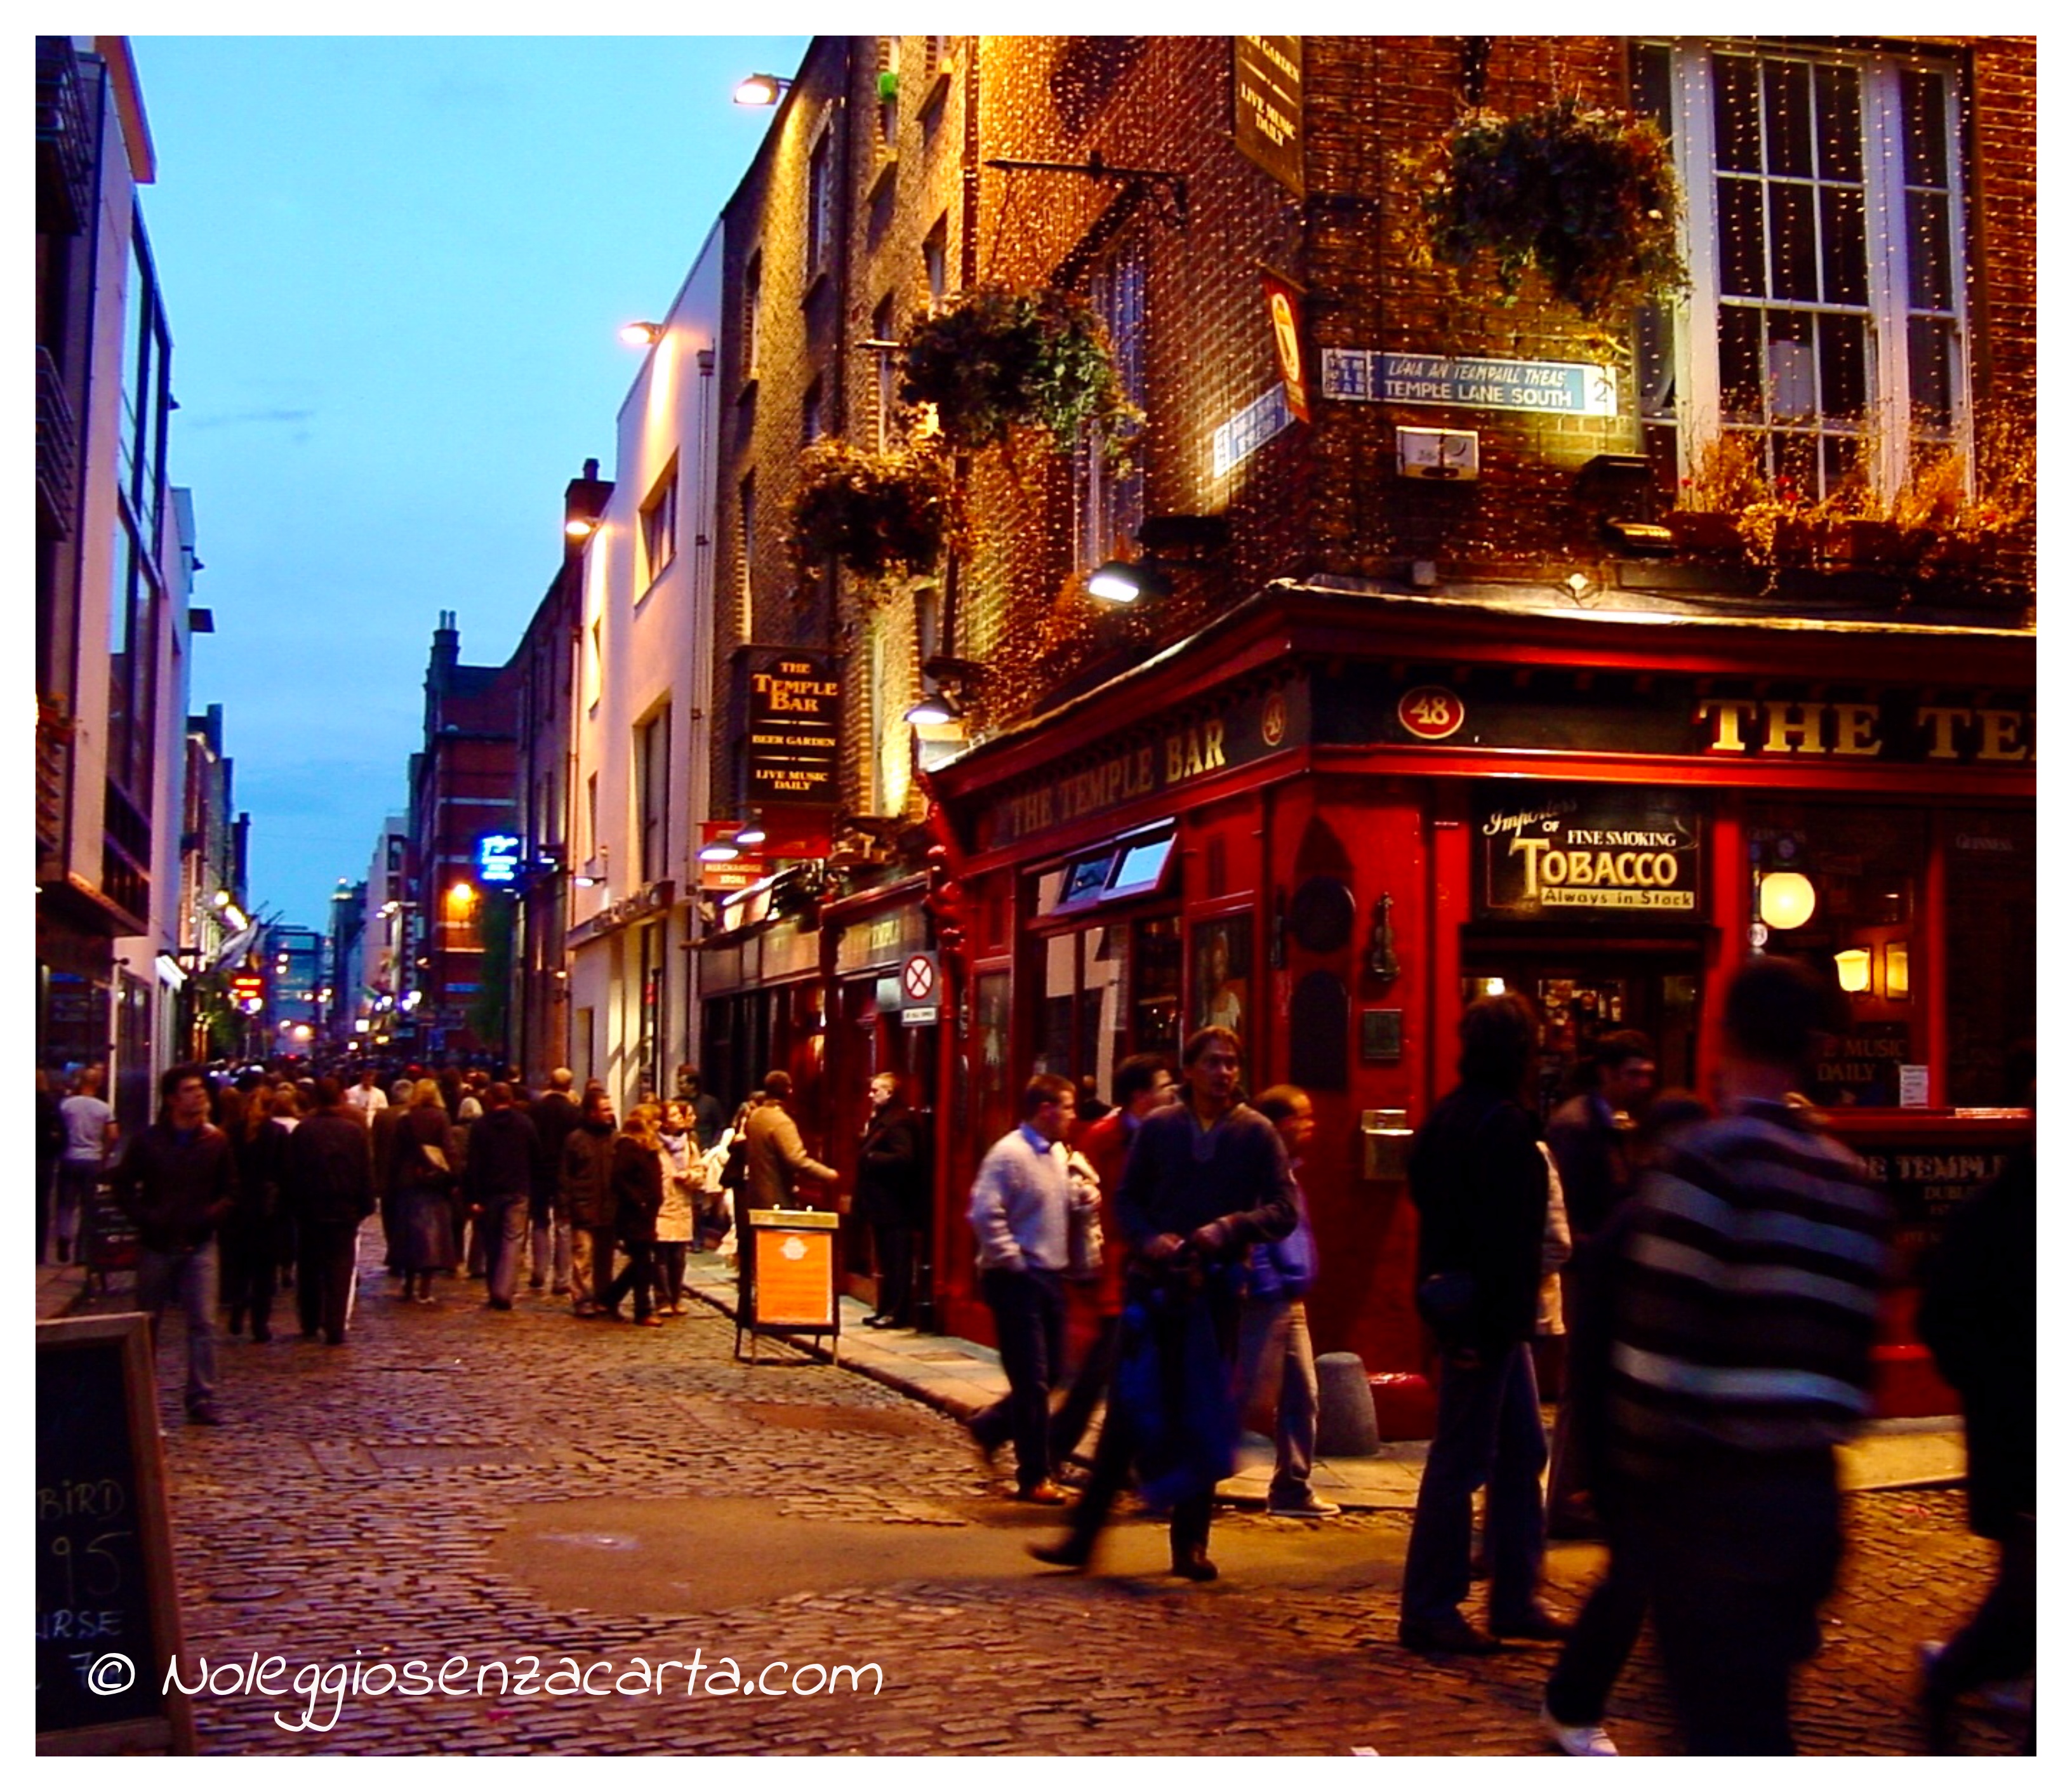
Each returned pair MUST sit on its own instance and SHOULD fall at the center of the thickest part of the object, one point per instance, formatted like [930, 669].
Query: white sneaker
[1576, 1739]
[1305, 1505]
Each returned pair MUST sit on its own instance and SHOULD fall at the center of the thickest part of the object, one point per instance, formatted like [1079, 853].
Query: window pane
[1928, 251]
[1844, 371]
[1927, 150]
[1789, 363]
[1838, 106]
[1788, 112]
[1929, 346]
[1991, 857]
[1793, 261]
[1740, 363]
[1737, 122]
[1845, 260]
[1740, 206]
[1652, 92]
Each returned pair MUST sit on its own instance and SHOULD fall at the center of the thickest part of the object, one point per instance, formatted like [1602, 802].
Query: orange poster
[795, 1276]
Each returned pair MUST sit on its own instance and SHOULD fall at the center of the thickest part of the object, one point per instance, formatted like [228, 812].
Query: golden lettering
[1999, 734]
[1942, 721]
[1783, 730]
[1854, 726]
[1727, 714]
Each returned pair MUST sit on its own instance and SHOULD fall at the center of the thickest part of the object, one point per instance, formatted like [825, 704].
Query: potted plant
[1586, 197]
[991, 358]
[882, 515]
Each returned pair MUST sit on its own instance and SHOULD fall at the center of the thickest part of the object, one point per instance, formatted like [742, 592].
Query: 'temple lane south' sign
[1560, 388]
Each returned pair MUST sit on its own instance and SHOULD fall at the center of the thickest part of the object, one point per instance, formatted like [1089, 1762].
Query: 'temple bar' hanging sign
[1560, 388]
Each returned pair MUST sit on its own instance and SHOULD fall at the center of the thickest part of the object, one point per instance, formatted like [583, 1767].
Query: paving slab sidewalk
[958, 1377]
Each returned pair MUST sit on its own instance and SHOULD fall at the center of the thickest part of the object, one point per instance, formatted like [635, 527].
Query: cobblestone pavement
[455, 1481]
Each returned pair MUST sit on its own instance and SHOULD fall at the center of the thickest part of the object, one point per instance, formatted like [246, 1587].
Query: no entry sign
[920, 989]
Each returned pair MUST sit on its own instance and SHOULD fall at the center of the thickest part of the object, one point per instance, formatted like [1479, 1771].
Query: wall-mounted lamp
[1126, 581]
[935, 709]
[642, 335]
[751, 831]
[1896, 988]
[579, 528]
[1852, 969]
[761, 90]
[1786, 899]
[722, 851]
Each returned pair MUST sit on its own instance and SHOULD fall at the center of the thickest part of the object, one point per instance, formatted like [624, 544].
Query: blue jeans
[1488, 1433]
[189, 1277]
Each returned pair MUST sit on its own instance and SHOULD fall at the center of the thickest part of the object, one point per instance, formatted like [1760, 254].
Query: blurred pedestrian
[707, 1117]
[1479, 1183]
[329, 1185]
[1021, 1216]
[777, 1162]
[554, 1116]
[636, 1188]
[90, 1135]
[1590, 1135]
[891, 1198]
[365, 1098]
[591, 1200]
[425, 1181]
[1142, 1083]
[177, 1181]
[1276, 1359]
[1978, 1317]
[1745, 1313]
[683, 1177]
[250, 1238]
[502, 1163]
[1206, 1178]
[1601, 1639]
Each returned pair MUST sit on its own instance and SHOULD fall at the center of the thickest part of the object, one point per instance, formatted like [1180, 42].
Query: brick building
[462, 788]
[1310, 782]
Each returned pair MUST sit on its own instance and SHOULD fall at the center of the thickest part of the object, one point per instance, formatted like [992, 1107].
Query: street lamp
[761, 90]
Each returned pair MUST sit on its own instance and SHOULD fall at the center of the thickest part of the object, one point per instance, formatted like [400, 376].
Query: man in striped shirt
[1741, 1357]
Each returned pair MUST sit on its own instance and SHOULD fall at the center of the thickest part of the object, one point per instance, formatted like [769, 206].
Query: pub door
[1586, 989]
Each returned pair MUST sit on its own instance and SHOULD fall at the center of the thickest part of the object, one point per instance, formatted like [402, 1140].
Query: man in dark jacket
[178, 1182]
[590, 1201]
[329, 1163]
[554, 1116]
[1978, 1317]
[891, 1196]
[1207, 1179]
[503, 1167]
[1480, 1185]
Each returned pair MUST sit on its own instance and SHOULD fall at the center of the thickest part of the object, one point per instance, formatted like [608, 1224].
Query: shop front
[1334, 818]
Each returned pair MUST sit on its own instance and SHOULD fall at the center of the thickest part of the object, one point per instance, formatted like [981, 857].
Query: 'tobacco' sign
[1585, 854]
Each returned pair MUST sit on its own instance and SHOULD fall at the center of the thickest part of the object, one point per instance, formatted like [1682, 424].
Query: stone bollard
[1345, 1407]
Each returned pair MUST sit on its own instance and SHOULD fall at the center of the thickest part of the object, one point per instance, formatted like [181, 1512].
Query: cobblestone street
[457, 1481]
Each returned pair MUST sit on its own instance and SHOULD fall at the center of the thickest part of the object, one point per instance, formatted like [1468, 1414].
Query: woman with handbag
[637, 1169]
[424, 1180]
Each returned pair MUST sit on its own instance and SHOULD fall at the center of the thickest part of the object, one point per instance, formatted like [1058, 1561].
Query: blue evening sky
[395, 269]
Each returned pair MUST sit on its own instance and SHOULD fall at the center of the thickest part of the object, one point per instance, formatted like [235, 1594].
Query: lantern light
[1786, 899]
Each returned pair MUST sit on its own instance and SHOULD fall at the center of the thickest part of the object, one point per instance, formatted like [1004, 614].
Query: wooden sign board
[108, 1617]
[794, 1286]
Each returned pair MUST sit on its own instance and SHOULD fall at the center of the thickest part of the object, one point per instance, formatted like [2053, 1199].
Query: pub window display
[1222, 974]
[1839, 890]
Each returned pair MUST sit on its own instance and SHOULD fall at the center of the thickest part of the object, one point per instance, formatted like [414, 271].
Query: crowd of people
[1714, 1271]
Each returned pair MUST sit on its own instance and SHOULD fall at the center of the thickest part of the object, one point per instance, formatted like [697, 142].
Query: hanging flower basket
[991, 358]
[1588, 198]
[886, 515]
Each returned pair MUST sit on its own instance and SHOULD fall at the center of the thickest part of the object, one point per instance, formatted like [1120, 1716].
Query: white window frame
[658, 524]
[1699, 416]
[823, 200]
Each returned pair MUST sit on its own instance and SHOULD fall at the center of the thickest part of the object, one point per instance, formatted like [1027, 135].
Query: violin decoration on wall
[1381, 961]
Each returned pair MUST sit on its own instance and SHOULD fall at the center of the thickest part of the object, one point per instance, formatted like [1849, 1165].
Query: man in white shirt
[365, 1098]
[1020, 1214]
[89, 1128]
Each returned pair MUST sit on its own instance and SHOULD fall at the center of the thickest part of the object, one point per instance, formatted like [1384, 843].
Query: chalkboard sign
[108, 1621]
[110, 1233]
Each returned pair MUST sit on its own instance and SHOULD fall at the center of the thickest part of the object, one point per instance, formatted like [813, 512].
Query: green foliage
[881, 515]
[991, 358]
[1588, 198]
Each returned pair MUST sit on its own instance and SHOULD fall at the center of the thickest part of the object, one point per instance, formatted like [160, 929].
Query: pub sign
[1591, 853]
[793, 743]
